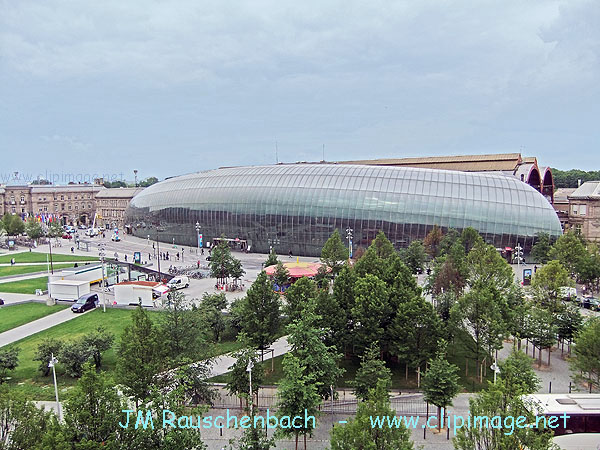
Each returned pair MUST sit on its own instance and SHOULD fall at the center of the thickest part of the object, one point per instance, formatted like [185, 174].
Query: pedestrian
[167, 256]
[198, 264]
[12, 261]
[202, 251]
[149, 256]
[125, 258]
[153, 248]
[290, 253]
[177, 256]
[72, 249]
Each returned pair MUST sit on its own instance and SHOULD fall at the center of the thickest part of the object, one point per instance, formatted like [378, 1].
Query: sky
[173, 87]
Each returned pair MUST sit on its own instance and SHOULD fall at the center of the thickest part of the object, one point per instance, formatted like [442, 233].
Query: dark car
[1, 302]
[85, 302]
[67, 236]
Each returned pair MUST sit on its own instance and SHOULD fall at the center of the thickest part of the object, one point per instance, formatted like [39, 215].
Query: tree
[517, 375]
[181, 330]
[360, 433]
[588, 269]
[281, 276]
[569, 321]
[211, 311]
[98, 341]
[334, 253]
[542, 330]
[45, 350]
[440, 383]
[272, 259]
[414, 256]
[140, 355]
[446, 277]
[371, 308]
[73, 355]
[239, 379]
[505, 400]
[469, 238]
[415, 333]
[488, 269]
[371, 370]
[261, 312]
[316, 358]
[9, 360]
[93, 408]
[547, 283]
[33, 229]
[12, 224]
[541, 249]
[148, 181]
[568, 250]
[433, 240]
[297, 296]
[451, 237]
[254, 438]
[221, 262]
[55, 230]
[22, 423]
[587, 352]
[343, 295]
[298, 396]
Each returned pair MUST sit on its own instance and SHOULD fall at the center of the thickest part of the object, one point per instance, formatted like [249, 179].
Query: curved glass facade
[297, 206]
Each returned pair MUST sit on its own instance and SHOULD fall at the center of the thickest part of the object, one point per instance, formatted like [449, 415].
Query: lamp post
[135, 172]
[198, 227]
[249, 370]
[102, 285]
[349, 237]
[51, 364]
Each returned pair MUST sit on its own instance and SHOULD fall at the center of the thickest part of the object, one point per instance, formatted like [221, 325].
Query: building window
[575, 209]
[45, 208]
[582, 210]
[40, 199]
[578, 228]
[62, 197]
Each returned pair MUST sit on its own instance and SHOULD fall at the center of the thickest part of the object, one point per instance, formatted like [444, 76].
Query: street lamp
[102, 254]
[51, 364]
[349, 237]
[198, 227]
[135, 172]
[249, 370]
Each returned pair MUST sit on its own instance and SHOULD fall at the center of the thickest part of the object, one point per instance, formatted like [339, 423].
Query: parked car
[179, 282]
[85, 302]
[67, 236]
[568, 293]
[1, 302]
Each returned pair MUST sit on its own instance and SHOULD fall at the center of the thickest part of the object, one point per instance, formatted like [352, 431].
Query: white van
[178, 282]
[568, 293]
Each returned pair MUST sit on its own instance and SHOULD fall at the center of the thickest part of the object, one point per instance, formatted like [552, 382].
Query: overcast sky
[172, 87]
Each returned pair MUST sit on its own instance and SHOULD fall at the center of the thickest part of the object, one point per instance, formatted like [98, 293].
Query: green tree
[343, 296]
[298, 296]
[239, 379]
[415, 333]
[488, 269]
[505, 400]
[414, 256]
[272, 259]
[55, 230]
[261, 312]
[33, 228]
[542, 330]
[541, 249]
[569, 321]
[469, 238]
[334, 253]
[517, 375]
[587, 352]
[12, 224]
[73, 355]
[254, 438]
[451, 237]
[181, 330]
[568, 250]
[371, 308]
[140, 356]
[372, 369]
[148, 181]
[433, 240]
[588, 269]
[222, 262]
[315, 357]
[281, 276]
[45, 350]
[9, 360]
[547, 283]
[359, 432]
[211, 311]
[98, 341]
[22, 423]
[298, 396]
[441, 382]
[93, 408]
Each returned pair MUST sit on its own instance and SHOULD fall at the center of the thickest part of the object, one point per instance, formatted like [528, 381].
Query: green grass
[25, 286]
[19, 270]
[38, 257]
[16, 315]
[26, 378]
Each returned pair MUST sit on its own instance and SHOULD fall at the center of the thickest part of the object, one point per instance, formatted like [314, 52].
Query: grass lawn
[456, 355]
[19, 270]
[25, 286]
[16, 315]
[37, 257]
[29, 380]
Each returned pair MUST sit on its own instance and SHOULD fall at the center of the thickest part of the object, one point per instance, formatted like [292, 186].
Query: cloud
[68, 141]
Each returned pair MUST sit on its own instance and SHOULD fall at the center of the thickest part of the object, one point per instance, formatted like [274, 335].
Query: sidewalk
[16, 334]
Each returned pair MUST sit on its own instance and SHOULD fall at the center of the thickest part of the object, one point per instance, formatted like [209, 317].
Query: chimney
[579, 182]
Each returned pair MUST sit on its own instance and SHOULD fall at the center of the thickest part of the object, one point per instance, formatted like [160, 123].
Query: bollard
[569, 387]
[550, 388]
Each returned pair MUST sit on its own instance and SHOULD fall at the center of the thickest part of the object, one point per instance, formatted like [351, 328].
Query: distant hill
[569, 178]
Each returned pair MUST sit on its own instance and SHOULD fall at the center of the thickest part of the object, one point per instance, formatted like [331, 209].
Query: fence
[405, 404]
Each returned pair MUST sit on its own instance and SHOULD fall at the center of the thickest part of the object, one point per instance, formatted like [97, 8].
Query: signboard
[200, 240]
[137, 257]
[526, 277]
